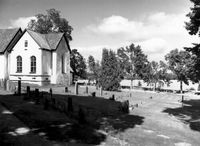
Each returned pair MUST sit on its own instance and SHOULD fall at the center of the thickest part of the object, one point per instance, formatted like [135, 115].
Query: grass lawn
[155, 119]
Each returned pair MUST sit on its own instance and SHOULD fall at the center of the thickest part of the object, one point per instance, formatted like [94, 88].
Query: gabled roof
[48, 41]
[6, 37]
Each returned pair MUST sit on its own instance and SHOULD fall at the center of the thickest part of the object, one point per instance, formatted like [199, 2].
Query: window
[33, 64]
[19, 64]
[63, 63]
[26, 43]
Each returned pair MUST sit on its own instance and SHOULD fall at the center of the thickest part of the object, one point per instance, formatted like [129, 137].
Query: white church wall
[25, 52]
[2, 68]
[63, 75]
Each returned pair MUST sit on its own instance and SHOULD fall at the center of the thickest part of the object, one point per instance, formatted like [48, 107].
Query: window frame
[19, 64]
[26, 43]
[33, 64]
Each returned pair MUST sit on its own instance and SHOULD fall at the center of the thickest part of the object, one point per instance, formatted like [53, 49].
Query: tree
[94, 68]
[110, 72]
[91, 63]
[158, 72]
[193, 28]
[50, 22]
[133, 62]
[78, 64]
[178, 62]
[193, 25]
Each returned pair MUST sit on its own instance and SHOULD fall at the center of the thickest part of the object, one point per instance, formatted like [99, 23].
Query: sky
[156, 25]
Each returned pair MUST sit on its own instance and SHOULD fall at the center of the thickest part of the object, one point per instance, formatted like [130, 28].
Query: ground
[155, 119]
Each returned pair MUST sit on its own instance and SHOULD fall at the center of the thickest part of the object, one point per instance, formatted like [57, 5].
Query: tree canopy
[193, 29]
[133, 62]
[78, 64]
[179, 64]
[110, 71]
[95, 68]
[51, 22]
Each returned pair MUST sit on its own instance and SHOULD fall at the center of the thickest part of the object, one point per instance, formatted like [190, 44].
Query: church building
[35, 58]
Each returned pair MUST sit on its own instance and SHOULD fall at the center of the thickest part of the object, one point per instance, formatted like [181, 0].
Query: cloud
[21, 22]
[155, 25]
[157, 33]
[154, 45]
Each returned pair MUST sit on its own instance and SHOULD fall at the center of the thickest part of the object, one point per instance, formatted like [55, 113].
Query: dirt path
[159, 127]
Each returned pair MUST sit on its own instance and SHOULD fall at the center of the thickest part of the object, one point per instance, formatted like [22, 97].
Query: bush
[124, 107]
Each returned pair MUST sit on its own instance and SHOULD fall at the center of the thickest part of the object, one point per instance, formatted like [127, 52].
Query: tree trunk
[131, 83]
[155, 86]
[181, 86]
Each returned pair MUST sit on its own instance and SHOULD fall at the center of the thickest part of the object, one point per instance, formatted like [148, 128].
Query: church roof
[6, 37]
[48, 41]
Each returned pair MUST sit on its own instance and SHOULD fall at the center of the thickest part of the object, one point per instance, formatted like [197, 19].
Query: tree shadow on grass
[189, 113]
[102, 118]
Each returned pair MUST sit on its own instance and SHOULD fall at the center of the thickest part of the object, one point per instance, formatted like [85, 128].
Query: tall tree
[94, 68]
[157, 72]
[178, 62]
[50, 22]
[78, 64]
[193, 28]
[91, 63]
[110, 72]
[133, 62]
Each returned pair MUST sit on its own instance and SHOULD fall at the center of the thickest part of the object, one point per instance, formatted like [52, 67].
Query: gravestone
[76, 88]
[81, 116]
[93, 94]
[112, 98]
[101, 91]
[46, 103]
[50, 91]
[66, 89]
[19, 87]
[27, 96]
[37, 98]
[86, 89]
[7, 85]
[70, 105]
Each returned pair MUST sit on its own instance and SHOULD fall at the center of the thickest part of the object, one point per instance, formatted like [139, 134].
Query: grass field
[155, 119]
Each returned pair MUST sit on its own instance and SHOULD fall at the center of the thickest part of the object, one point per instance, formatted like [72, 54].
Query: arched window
[26, 43]
[63, 63]
[19, 64]
[33, 64]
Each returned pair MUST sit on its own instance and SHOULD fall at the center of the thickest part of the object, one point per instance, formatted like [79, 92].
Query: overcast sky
[156, 25]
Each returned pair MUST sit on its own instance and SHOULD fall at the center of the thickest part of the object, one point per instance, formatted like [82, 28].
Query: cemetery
[62, 115]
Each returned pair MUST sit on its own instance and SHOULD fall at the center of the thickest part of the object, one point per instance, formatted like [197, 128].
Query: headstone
[37, 98]
[50, 91]
[27, 96]
[125, 106]
[66, 89]
[46, 103]
[101, 91]
[93, 94]
[76, 88]
[81, 116]
[182, 98]
[86, 89]
[70, 105]
[19, 87]
[112, 98]
[7, 85]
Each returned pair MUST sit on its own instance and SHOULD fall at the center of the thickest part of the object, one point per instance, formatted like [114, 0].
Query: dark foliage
[78, 64]
[110, 71]
[51, 22]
